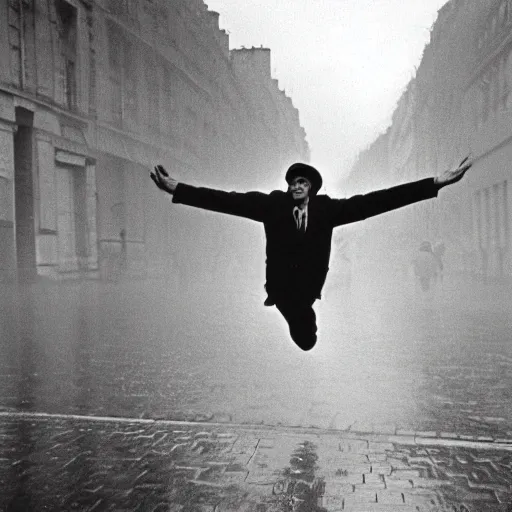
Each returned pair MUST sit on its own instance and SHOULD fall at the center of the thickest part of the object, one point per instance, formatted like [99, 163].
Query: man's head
[303, 181]
[300, 189]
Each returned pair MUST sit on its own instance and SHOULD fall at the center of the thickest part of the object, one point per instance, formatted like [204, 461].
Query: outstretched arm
[162, 179]
[452, 176]
[363, 206]
[251, 205]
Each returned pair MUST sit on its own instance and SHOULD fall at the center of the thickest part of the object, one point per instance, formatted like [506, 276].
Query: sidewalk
[65, 463]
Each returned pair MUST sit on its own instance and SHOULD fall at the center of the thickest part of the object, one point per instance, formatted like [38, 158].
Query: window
[18, 15]
[129, 79]
[493, 91]
[491, 216]
[153, 91]
[503, 89]
[116, 95]
[122, 76]
[67, 65]
[502, 212]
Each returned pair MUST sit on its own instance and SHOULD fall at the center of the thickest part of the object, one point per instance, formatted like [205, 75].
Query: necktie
[300, 219]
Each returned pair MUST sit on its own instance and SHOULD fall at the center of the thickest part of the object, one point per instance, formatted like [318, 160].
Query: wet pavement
[387, 360]
[204, 404]
[84, 464]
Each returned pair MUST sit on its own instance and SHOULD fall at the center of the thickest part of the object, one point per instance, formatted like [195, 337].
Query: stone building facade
[459, 103]
[93, 93]
[47, 169]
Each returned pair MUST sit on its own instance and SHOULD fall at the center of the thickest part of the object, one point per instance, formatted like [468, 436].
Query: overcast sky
[344, 63]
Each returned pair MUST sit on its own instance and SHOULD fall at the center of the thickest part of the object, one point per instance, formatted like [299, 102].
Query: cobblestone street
[83, 464]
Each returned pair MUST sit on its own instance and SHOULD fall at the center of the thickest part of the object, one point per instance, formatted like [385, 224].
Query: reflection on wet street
[387, 358]
[79, 464]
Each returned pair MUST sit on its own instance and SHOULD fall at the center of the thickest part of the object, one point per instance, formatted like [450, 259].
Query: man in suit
[298, 226]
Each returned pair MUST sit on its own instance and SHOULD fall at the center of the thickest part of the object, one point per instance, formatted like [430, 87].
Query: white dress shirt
[301, 217]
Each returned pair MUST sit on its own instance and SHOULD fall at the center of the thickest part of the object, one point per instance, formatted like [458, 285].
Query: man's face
[299, 188]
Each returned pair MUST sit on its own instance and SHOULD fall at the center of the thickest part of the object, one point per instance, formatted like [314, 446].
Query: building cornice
[63, 114]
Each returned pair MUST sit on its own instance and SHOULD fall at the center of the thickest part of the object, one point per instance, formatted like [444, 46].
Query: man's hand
[449, 177]
[162, 180]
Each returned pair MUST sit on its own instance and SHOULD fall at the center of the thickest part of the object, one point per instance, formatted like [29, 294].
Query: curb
[409, 438]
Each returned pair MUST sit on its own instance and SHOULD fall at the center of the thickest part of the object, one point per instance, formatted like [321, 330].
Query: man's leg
[301, 319]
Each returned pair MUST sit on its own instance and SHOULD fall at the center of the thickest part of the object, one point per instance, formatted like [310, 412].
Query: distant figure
[439, 249]
[425, 265]
[298, 226]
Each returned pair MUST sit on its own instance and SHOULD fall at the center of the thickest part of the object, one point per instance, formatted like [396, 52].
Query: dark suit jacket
[298, 263]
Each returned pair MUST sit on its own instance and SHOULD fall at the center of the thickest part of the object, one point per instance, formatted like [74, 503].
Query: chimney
[223, 39]
[214, 20]
[257, 59]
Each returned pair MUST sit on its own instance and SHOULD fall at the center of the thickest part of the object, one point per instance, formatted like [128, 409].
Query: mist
[120, 302]
[135, 327]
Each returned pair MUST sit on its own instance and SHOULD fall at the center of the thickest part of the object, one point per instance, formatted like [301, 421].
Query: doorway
[72, 224]
[24, 195]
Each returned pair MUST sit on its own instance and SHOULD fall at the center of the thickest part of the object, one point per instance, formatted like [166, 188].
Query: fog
[207, 350]
[344, 64]
[118, 302]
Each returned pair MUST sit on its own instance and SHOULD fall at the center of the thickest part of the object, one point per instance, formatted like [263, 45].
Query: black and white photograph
[256, 255]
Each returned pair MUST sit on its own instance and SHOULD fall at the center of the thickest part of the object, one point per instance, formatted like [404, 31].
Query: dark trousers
[301, 319]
